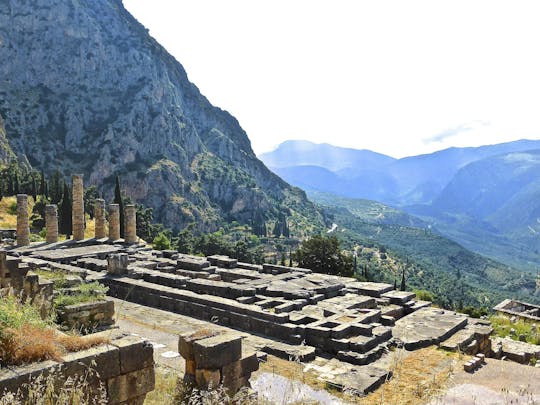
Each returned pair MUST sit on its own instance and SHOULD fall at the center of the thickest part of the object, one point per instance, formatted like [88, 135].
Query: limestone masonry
[354, 322]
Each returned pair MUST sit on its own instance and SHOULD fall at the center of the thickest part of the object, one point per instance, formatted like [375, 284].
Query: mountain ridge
[122, 105]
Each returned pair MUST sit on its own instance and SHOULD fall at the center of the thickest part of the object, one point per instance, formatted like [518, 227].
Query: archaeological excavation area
[306, 314]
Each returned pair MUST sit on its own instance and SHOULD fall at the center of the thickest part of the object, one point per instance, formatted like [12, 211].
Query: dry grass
[9, 220]
[31, 343]
[293, 370]
[165, 390]
[417, 377]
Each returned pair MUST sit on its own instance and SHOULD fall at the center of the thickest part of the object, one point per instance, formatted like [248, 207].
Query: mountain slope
[84, 88]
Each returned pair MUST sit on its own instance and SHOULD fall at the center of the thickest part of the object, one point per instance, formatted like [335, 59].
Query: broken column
[117, 263]
[3, 269]
[23, 229]
[51, 223]
[99, 215]
[114, 221]
[214, 358]
[130, 225]
[77, 213]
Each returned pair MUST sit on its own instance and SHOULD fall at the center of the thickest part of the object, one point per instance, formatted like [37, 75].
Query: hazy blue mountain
[333, 158]
[369, 175]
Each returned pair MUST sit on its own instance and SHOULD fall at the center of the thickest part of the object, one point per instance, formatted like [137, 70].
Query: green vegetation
[504, 327]
[84, 292]
[323, 254]
[161, 242]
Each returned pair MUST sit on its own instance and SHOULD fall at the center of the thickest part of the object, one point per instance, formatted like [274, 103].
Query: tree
[185, 241]
[322, 254]
[161, 242]
[89, 198]
[118, 199]
[65, 224]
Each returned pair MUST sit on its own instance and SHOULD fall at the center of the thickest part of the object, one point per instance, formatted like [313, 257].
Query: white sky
[397, 77]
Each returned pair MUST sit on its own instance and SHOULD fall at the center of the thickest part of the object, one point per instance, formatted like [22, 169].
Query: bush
[161, 242]
[424, 295]
[503, 327]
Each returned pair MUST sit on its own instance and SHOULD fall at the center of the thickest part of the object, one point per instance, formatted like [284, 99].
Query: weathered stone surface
[134, 353]
[427, 326]
[77, 216]
[216, 351]
[114, 222]
[207, 379]
[117, 264]
[23, 227]
[399, 297]
[520, 352]
[131, 385]
[51, 223]
[369, 289]
[362, 381]
[100, 221]
[130, 227]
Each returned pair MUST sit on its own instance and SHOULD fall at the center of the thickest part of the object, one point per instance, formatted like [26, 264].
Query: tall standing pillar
[51, 223]
[130, 226]
[23, 229]
[99, 215]
[77, 213]
[114, 221]
[3, 269]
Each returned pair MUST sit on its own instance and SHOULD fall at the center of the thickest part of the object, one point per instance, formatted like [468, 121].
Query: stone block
[134, 353]
[240, 368]
[216, 351]
[104, 358]
[206, 378]
[186, 340]
[129, 386]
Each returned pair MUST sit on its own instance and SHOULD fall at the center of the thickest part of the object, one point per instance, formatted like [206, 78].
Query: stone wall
[87, 315]
[125, 367]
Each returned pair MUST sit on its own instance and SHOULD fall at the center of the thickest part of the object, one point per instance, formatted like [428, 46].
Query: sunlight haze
[400, 78]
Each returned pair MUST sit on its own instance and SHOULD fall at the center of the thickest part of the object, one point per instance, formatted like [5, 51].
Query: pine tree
[34, 189]
[403, 286]
[119, 200]
[64, 213]
[42, 185]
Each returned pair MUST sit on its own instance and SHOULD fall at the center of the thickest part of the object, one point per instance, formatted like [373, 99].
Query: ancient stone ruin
[518, 309]
[305, 313]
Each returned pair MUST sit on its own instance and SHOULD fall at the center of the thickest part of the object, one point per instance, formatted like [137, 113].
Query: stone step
[362, 359]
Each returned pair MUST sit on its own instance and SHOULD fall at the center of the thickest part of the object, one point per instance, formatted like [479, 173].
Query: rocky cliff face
[84, 88]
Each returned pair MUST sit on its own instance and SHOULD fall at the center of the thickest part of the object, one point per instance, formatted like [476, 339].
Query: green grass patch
[85, 292]
[503, 327]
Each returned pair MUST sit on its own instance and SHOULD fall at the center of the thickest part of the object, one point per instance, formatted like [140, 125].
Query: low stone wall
[215, 358]
[125, 367]
[87, 315]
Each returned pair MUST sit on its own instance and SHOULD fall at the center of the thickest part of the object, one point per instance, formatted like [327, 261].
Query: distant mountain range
[486, 198]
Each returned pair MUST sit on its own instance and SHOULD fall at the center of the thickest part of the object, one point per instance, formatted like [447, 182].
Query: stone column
[3, 269]
[114, 221]
[23, 229]
[99, 215]
[77, 213]
[130, 226]
[51, 223]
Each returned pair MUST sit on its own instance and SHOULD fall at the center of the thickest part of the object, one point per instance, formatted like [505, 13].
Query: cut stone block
[216, 351]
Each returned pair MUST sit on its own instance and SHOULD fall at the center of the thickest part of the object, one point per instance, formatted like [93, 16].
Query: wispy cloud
[451, 132]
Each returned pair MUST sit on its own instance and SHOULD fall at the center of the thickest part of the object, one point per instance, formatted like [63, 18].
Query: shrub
[161, 242]
[424, 295]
